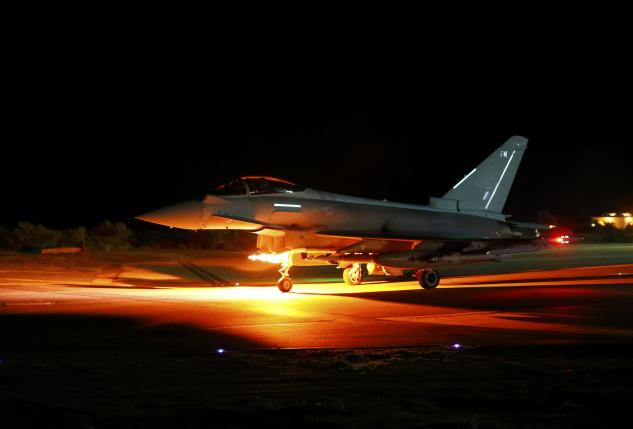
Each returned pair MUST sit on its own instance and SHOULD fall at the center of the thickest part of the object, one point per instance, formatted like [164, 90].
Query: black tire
[285, 284]
[353, 276]
[429, 279]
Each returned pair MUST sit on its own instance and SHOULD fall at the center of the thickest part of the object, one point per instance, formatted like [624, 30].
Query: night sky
[111, 121]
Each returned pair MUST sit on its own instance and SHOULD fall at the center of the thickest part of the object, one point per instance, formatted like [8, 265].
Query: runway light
[220, 351]
[457, 346]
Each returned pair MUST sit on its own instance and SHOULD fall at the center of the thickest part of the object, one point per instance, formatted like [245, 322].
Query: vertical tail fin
[486, 188]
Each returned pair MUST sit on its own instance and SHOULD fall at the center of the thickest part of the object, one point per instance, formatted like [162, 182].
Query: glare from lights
[272, 258]
[563, 239]
[457, 346]
[593, 225]
[220, 351]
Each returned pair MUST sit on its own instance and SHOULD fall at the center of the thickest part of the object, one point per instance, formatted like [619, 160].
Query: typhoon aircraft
[298, 226]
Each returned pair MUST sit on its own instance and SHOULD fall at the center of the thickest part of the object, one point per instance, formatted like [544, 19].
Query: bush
[109, 237]
[73, 237]
[7, 239]
[32, 236]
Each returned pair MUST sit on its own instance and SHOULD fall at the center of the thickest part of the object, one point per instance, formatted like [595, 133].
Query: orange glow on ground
[339, 315]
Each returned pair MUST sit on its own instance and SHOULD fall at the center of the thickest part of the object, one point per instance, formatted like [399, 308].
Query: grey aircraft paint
[309, 226]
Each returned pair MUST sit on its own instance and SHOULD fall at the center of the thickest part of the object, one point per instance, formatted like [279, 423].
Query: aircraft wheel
[353, 275]
[429, 279]
[284, 284]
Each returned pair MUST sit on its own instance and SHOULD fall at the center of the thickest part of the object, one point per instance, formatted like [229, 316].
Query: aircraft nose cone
[185, 215]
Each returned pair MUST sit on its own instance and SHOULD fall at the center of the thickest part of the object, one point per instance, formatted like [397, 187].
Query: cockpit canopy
[257, 185]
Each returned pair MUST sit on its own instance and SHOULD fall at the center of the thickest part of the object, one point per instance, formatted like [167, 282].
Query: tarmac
[580, 304]
[164, 339]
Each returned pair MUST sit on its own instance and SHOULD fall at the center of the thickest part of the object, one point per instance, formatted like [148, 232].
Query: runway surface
[133, 339]
[571, 305]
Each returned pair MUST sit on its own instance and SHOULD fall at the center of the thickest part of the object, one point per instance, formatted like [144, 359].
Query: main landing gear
[353, 275]
[428, 279]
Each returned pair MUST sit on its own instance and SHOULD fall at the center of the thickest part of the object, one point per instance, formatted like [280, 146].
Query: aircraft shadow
[499, 297]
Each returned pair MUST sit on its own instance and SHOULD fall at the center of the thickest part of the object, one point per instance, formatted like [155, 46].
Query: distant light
[612, 214]
[627, 214]
[457, 346]
[593, 225]
[552, 226]
[237, 284]
[220, 351]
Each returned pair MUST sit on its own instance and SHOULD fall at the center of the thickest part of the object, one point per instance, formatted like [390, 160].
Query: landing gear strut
[353, 275]
[285, 282]
[428, 279]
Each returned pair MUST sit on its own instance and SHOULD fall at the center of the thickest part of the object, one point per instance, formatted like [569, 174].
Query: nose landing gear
[285, 282]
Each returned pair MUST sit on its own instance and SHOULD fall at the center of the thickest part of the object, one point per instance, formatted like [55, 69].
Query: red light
[563, 239]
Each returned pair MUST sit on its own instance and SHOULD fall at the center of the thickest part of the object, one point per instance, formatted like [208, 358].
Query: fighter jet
[299, 226]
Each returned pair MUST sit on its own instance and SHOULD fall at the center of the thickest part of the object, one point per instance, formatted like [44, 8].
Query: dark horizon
[103, 129]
